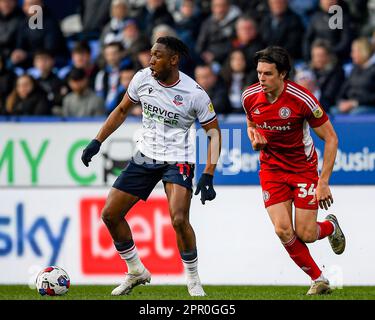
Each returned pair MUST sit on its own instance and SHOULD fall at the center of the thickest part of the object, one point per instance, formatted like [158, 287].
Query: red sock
[325, 229]
[300, 254]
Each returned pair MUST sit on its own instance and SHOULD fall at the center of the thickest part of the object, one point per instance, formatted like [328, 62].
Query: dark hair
[44, 52]
[175, 45]
[322, 43]
[77, 74]
[277, 55]
[81, 47]
[119, 45]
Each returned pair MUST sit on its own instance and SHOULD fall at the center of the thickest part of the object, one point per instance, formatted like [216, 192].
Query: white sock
[135, 265]
[191, 270]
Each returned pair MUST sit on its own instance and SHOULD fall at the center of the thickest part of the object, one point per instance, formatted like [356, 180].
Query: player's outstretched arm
[114, 120]
[205, 184]
[323, 192]
[258, 142]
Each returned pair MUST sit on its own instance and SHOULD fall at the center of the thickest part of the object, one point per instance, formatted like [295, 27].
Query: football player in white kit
[171, 102]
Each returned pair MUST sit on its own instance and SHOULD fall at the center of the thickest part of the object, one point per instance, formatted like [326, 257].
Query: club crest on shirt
[266, 196]
[178, 100]
[317, 112]
[284, 112]
[211, 107]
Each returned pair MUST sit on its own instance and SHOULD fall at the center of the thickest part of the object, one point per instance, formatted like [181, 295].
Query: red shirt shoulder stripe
[302, 94]
[255, 88]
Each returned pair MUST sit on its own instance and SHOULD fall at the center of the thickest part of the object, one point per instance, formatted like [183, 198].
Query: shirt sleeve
[132, 90]
[204, 108]
[245, 101]
[314, 112]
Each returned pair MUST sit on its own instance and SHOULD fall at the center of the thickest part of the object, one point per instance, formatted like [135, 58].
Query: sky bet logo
[20, 236]
[152, 232]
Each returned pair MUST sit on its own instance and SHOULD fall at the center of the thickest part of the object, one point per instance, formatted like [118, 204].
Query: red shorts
[279, 186]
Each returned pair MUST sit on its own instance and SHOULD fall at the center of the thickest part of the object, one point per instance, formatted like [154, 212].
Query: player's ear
[283, 75]
[174, 60]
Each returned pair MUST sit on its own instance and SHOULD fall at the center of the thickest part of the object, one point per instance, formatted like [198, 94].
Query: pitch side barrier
[355, 161]
[238, 164]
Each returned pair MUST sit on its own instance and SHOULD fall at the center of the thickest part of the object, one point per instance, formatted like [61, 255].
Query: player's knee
[307, 235]
[179, 221]
[108, 216]
[284, 233]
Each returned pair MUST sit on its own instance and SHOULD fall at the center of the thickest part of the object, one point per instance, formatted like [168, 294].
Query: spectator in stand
[30, 40]
[358, 11]
[357, 95]
[215, 88]
[319, 28]
[162, 30]
[132, 36]
[155, 12]
[328, 72]
[369, 25]
[253, 7]
[82, 101]
[27, 99]
[81, 58]
[126, 75]
[107, 79]
[188, 22]
[304, 9]
[307, 79]
[112, 32]
[43, 73]
[247, 39]
[141, 55]
[94, 16]
[237, 77]
[214, 41]
[11, 16]
[282, 27]
[7, 82]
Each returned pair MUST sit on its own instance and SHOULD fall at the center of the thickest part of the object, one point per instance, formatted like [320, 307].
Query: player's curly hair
[175, 45]
[276, 55]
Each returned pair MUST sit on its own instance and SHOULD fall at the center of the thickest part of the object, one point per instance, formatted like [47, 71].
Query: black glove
[91, 150]
[206, 187]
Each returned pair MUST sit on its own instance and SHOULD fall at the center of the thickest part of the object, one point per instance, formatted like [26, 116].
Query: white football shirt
[168, 112]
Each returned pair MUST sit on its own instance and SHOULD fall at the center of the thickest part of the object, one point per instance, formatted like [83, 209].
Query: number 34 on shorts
[281, 188]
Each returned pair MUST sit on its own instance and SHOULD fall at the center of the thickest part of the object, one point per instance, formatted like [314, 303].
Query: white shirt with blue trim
[168, 112]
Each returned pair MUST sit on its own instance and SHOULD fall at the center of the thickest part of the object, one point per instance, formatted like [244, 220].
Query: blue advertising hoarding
[355, 161]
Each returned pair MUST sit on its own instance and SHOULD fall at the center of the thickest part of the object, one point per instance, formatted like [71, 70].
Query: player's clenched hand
[206, 188]
[259, 141]
[323, 195]
[91, 150]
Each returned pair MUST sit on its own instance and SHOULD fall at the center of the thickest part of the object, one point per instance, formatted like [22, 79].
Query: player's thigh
[179, 200]
[281, 217]
[178, 183]
[303, 186]
[275, 188]
[118, 204]
[139, 178]
[305, 224]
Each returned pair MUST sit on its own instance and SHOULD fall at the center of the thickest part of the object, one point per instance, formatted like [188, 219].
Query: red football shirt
[285, 124]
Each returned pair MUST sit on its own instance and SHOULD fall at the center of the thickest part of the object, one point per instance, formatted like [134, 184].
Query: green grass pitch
[172, 292]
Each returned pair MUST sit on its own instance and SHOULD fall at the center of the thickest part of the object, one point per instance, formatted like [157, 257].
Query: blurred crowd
[80, 66]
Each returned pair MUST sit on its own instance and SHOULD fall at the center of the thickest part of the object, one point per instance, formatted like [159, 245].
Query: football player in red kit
[279, 115]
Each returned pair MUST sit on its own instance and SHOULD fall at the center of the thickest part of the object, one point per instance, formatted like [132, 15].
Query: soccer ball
[52, 281]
